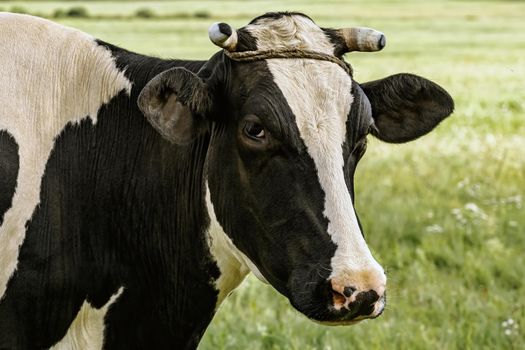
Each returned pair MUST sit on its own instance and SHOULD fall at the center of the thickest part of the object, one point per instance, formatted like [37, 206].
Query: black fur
[337, 41]
[9, 164]
[225, 29]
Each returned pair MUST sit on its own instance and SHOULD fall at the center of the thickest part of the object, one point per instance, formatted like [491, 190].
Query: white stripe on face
[51, 76]
[319, 95]
[87, 329]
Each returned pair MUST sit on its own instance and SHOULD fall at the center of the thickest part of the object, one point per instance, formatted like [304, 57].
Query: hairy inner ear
[175, 121]
[406, 106]
[176, 102]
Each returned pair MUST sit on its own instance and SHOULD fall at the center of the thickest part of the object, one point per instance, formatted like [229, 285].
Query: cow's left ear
[406, 106]
[176, 102]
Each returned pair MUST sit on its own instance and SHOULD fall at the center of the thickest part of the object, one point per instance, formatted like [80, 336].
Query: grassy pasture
[445, 214]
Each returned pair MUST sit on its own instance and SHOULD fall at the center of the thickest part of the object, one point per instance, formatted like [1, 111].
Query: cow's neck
[172, 188]
[232, 263]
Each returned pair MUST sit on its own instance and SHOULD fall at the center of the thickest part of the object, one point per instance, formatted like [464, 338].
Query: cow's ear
[176, 103]
[405, 106]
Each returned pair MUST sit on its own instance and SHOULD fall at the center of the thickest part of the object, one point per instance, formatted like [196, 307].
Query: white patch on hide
[50, 76]
[86, 332]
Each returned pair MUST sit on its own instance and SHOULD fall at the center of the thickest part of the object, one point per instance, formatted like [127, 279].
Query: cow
[136, 192]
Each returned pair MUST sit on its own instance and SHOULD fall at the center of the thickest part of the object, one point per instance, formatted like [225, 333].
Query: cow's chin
[351, 321]
[337, 323]
[327, 315]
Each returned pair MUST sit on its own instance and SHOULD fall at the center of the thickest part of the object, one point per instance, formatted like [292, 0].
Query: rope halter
[252, 56]
[355, 39]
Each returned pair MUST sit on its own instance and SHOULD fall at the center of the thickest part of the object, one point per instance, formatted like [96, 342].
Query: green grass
[445, 214]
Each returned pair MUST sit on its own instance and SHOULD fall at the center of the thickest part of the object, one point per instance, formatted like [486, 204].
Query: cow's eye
[253, 134]
[254, 130]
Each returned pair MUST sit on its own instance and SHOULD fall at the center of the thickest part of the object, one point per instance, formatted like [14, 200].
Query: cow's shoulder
[54, 72]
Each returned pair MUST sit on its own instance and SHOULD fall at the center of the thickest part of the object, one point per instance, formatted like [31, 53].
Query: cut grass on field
[444, 214]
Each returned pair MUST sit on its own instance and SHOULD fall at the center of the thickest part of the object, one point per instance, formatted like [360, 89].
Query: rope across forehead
[351, 39]
[252, 56]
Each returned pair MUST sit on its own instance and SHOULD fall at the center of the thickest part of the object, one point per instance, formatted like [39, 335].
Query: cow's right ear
[176, 103]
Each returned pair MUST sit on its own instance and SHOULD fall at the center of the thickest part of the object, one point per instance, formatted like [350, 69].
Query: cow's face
[286, 136]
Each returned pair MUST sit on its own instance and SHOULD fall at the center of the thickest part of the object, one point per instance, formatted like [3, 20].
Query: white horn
[223, 35]
[363, 39]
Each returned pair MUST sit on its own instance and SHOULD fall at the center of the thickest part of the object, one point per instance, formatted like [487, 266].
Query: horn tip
[218, 32]
[381, 43]
[223, 35]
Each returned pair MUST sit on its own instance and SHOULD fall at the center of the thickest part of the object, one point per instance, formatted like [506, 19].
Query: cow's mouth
[327, 308]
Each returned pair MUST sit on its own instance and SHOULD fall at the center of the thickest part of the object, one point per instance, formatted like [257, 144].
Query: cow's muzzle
[352, 304]
[336, 301]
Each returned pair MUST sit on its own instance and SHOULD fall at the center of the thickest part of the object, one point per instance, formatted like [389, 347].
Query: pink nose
[367, 303]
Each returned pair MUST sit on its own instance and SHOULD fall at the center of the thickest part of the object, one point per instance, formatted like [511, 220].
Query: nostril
[348, 291]
[367, 298]
[341, 295]
[338, 299]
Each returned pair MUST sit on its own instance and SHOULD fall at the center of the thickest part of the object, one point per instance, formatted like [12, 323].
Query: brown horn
[363, 39]
[223, 35]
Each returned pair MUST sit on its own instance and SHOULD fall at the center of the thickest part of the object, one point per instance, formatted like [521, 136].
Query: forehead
[288, 31]
[314, 95]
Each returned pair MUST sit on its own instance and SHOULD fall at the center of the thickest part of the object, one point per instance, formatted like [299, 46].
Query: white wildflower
[509, 325]
[458, 215]
[434, 229]
[476, 211]
[516, 200]
[474, 190]
[472, 207]
[261, 328]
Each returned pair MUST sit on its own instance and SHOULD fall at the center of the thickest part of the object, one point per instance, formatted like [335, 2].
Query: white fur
[232, 263]
[87, 330]
[50, 76]
[319, 95]
[289, 32]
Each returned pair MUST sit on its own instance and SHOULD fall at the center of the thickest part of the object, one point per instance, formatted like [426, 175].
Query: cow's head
[286, 136]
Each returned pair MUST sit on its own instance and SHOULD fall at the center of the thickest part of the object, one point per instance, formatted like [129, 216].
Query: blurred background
[444, 214]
